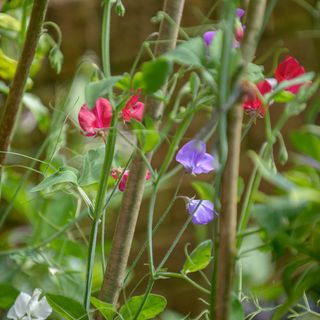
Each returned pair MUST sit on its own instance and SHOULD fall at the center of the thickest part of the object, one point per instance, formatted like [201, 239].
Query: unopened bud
[120, 9]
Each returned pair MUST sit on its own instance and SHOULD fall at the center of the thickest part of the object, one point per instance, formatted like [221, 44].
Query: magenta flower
[202, 211]
[253, 104]
[208, 37]
[97, 120]
[194, 158]
[287, 70]
[133, 109]
[116, 173]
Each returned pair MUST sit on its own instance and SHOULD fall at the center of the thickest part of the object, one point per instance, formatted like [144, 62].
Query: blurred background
[294, 24]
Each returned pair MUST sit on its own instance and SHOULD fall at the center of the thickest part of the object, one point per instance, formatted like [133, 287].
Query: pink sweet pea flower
[288, 70]
[253, 104]
[96, 120]
[116, 173]
[133, 109]
[239, 32]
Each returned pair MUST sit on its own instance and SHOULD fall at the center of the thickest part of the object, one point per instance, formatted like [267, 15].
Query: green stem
[105, 40]
[155, 229]
[57, 30]
[184, 277]
[109, 151]
[99, 206]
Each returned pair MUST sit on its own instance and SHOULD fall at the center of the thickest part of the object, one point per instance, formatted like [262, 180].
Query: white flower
[30, 308]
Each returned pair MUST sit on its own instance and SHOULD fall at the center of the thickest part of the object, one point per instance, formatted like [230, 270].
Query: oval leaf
[68, 308]
[155, 74]
[199, 258]
[154, 305]
[106, 309]
[63, 175]
[100, 88]
[8, 295]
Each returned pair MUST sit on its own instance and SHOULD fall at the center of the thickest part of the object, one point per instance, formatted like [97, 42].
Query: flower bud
[120, 9]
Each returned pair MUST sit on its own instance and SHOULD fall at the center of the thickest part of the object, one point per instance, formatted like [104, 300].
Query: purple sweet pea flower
[194, 158]
[240, 12]
[202, 211]
[208, 37]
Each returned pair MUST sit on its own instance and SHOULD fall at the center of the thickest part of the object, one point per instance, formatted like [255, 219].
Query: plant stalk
[11, 108]
[228, 216]
[121, 245]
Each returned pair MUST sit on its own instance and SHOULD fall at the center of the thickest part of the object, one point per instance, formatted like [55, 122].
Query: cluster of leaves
[290, 219]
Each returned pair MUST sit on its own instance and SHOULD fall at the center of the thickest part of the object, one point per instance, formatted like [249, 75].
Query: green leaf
[199, 258]
[66, 307]
[283, 96]
[106, 309]
[275, 215]
[306, 142]
[38, 109]
[147, 135]
[154, 305]
[100, 88]
[204, 189]
[191, 53]
[8, 295]
[8, 22]
[307, 280]
[92, 166]
[155, 74]
[7, 66]
[237, 312]
[254, 72]
[8, 69]
[62, 176]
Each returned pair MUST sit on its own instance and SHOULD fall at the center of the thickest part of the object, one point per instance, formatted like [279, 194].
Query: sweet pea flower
[253, 104]
[97, 120]
[202, 211]
[194, 158]
[240, 12]
[116, 173]
[28, 307]
[239, 28]
[287, 70]
[133, 109]
[208, 37]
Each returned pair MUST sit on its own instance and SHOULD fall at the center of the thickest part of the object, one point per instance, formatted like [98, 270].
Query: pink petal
[103, 113]
[87, 120]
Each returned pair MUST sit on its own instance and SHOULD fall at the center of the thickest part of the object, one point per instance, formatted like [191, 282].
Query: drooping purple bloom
[202, 211]
[208, 37]
[240, 12]
[194, 158]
